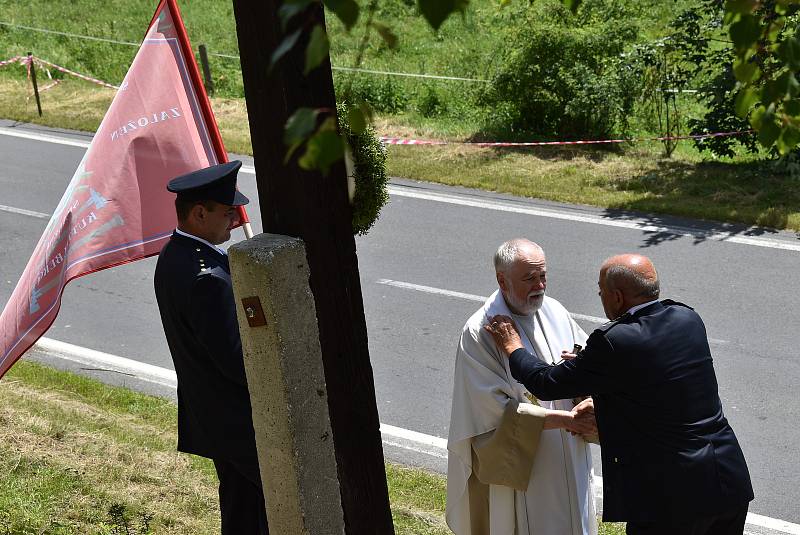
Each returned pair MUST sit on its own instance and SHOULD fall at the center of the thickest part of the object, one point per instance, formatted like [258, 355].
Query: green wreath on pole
[367, 173]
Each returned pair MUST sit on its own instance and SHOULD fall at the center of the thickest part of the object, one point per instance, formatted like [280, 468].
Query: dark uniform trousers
[731, 523]
[241, 498]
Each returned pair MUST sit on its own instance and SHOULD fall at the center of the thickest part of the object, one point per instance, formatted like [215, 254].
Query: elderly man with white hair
[517, 465]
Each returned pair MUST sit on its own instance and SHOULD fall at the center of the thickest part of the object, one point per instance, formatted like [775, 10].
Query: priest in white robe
[517, 465]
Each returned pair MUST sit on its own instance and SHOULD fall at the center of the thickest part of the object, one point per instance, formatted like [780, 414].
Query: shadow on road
[673, 228]
[713, 191]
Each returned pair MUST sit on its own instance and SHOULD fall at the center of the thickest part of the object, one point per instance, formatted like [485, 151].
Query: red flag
[116, 208]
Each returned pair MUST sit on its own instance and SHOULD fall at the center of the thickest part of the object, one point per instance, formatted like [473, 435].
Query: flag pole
[205, 104]
[248, 230]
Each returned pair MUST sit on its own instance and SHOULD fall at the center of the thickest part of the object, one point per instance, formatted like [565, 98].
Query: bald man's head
[625, 281]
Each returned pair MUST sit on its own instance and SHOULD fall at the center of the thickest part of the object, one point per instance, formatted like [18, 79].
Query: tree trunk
[316, 208]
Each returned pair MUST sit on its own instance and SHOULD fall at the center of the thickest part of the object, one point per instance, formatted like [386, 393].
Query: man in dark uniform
[195, 298]
[671, 462]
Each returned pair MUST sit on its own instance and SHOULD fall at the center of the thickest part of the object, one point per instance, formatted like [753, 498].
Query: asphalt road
[439, 240]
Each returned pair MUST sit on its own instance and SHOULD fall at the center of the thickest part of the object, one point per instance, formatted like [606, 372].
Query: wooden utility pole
[316, 208]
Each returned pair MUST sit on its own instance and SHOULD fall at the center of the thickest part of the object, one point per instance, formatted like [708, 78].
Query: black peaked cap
[215, 183]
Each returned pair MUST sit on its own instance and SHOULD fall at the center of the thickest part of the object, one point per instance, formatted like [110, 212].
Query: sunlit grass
[637, 179]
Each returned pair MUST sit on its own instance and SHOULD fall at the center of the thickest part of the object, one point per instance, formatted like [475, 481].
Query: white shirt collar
[201, 240]
[641, 306]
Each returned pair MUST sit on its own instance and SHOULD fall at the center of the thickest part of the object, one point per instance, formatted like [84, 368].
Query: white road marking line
[14, 132]
[481, 299]
[438, 454]
[413, 436]
[461, 295]
[23, 211]
[432, 290]
[401, 191]
[592, 319]
[90, 357]
[403, 438]
[421, 443]
[773, 523]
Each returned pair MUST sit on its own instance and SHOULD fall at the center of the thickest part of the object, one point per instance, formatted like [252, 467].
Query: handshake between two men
[671, 462]
[580, 420]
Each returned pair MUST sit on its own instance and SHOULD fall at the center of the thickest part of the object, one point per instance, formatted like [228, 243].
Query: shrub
[383, 93]
[429, 103]
[562, 79]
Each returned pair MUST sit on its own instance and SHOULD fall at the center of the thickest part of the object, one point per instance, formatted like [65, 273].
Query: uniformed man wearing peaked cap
[195, 299]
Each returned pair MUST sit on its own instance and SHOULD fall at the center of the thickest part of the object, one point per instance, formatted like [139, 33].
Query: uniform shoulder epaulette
[214, 271]
[205, 268]
[604, 328]
[669, 302]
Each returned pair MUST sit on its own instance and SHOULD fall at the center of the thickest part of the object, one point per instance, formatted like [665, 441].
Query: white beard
[536, 303]
[530, 306]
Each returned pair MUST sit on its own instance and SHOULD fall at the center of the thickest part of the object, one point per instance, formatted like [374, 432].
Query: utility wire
[66, 34]
[411, 75]
[231, 56]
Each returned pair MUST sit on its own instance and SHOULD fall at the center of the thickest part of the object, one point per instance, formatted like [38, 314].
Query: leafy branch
[766, 44]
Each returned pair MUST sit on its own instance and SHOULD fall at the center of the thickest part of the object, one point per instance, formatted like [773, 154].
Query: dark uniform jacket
[667, 449]
[195, 298]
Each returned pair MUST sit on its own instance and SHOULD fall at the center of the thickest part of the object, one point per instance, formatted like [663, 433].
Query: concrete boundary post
[285, 376]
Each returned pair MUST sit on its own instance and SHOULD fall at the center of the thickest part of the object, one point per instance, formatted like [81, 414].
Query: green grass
[208, 21]
[81, 458]
[452, 51]
[637, 178]
[73, 451]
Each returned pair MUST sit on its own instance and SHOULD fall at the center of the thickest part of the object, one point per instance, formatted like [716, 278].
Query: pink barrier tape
[15, 59]
[402, 141]
[49, 86]
[405, 141]
[73, 73]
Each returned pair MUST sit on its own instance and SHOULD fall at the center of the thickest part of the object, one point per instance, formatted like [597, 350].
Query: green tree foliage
[765, 39]
[700, 52]
[663, 78]
[562, 75]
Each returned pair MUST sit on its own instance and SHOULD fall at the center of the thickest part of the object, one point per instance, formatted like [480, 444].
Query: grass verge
[80, 457]
[624, 178]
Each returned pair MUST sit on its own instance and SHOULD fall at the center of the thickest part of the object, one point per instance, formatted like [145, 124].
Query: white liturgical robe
[558, 498]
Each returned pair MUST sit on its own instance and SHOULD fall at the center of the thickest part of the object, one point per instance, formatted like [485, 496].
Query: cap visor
[239, 199]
